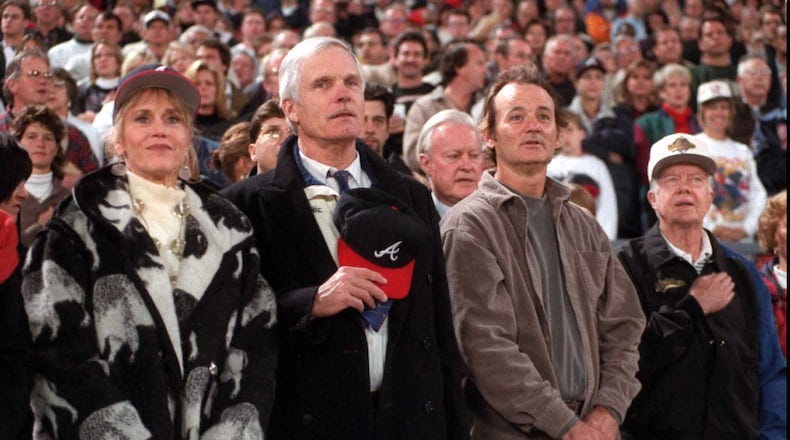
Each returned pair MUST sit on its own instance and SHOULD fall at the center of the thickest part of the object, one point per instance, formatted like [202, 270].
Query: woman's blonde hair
[220, 101]
[114, 135]
[173, 48]
[775, 209]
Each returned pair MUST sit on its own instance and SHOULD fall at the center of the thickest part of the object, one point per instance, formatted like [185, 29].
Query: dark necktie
[375, 317]
[341, 176]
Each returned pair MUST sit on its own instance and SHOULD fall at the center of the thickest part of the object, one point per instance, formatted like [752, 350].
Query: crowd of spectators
[628, 70]
[626, 73]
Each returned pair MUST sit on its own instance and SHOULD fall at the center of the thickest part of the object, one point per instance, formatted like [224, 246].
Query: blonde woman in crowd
[772, 235]
[213, 116]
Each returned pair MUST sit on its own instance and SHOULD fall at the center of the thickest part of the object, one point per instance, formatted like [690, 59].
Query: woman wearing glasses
[148, 316]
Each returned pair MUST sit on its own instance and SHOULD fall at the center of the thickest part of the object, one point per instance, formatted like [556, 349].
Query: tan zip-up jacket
[501, 325]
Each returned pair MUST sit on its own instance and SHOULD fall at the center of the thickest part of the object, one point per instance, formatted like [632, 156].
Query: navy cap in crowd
[587, 64]
[157, 76]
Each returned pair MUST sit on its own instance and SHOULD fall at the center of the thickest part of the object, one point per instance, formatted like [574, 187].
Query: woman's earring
[118, 169]
[185, 173]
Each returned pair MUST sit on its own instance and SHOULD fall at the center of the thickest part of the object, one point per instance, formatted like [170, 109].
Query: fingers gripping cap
[379, 233]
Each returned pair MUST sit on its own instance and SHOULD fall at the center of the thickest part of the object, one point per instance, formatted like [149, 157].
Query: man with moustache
[546, 317]
[339, 377]
[451, 155]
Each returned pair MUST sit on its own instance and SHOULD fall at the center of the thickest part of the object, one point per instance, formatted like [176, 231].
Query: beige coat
[502, 328]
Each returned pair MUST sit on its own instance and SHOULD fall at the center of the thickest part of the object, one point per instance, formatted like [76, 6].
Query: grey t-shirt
[566, 347]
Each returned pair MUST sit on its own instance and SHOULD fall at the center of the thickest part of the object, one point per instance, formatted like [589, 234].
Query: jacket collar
[214, 228]
[309, 179]
[498, 194]
[658, 252]
[103, 196]
[287, 175]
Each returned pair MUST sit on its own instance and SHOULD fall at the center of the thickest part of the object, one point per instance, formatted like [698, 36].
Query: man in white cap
[157, 35]
[710, 364]
[738, 195]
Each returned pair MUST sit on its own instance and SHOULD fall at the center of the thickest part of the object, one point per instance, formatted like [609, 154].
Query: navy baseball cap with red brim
[378, 232]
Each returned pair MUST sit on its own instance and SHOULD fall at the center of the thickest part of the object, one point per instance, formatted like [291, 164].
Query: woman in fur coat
[148, 316]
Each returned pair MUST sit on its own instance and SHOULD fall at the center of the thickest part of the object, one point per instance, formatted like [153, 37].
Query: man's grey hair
[619, 39]
[554, 39]
[444, 117]
[267, 59]
[291, 67]
[194, 29]
[15, 66]
[743, 64]
[663, 74]
[316, 30]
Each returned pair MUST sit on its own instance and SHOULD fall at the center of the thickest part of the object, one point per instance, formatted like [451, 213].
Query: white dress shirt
[322, 200]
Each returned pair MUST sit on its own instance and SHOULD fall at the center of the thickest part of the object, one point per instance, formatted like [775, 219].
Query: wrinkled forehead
[34, 62]
[314, 67]
[524, 96]
[144, 97]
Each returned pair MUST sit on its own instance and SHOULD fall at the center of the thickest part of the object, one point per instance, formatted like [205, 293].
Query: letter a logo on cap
[391, 250]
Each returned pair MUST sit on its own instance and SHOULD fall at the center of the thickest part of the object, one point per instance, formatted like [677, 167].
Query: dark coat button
[427, 342]
[428, 407]
[429, 278]
[307, 420]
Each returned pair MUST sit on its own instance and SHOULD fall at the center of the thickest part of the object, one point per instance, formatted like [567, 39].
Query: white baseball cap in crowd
[713, 90]
[154, 15]
[679, 148]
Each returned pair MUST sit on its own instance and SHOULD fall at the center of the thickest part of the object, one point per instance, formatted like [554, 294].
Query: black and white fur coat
[104, 364]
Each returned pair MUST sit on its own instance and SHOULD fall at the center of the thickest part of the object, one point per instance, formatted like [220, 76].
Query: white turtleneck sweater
[159, 205]
[39, 185]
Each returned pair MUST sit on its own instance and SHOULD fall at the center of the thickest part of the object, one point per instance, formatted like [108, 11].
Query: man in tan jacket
[547, 320]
